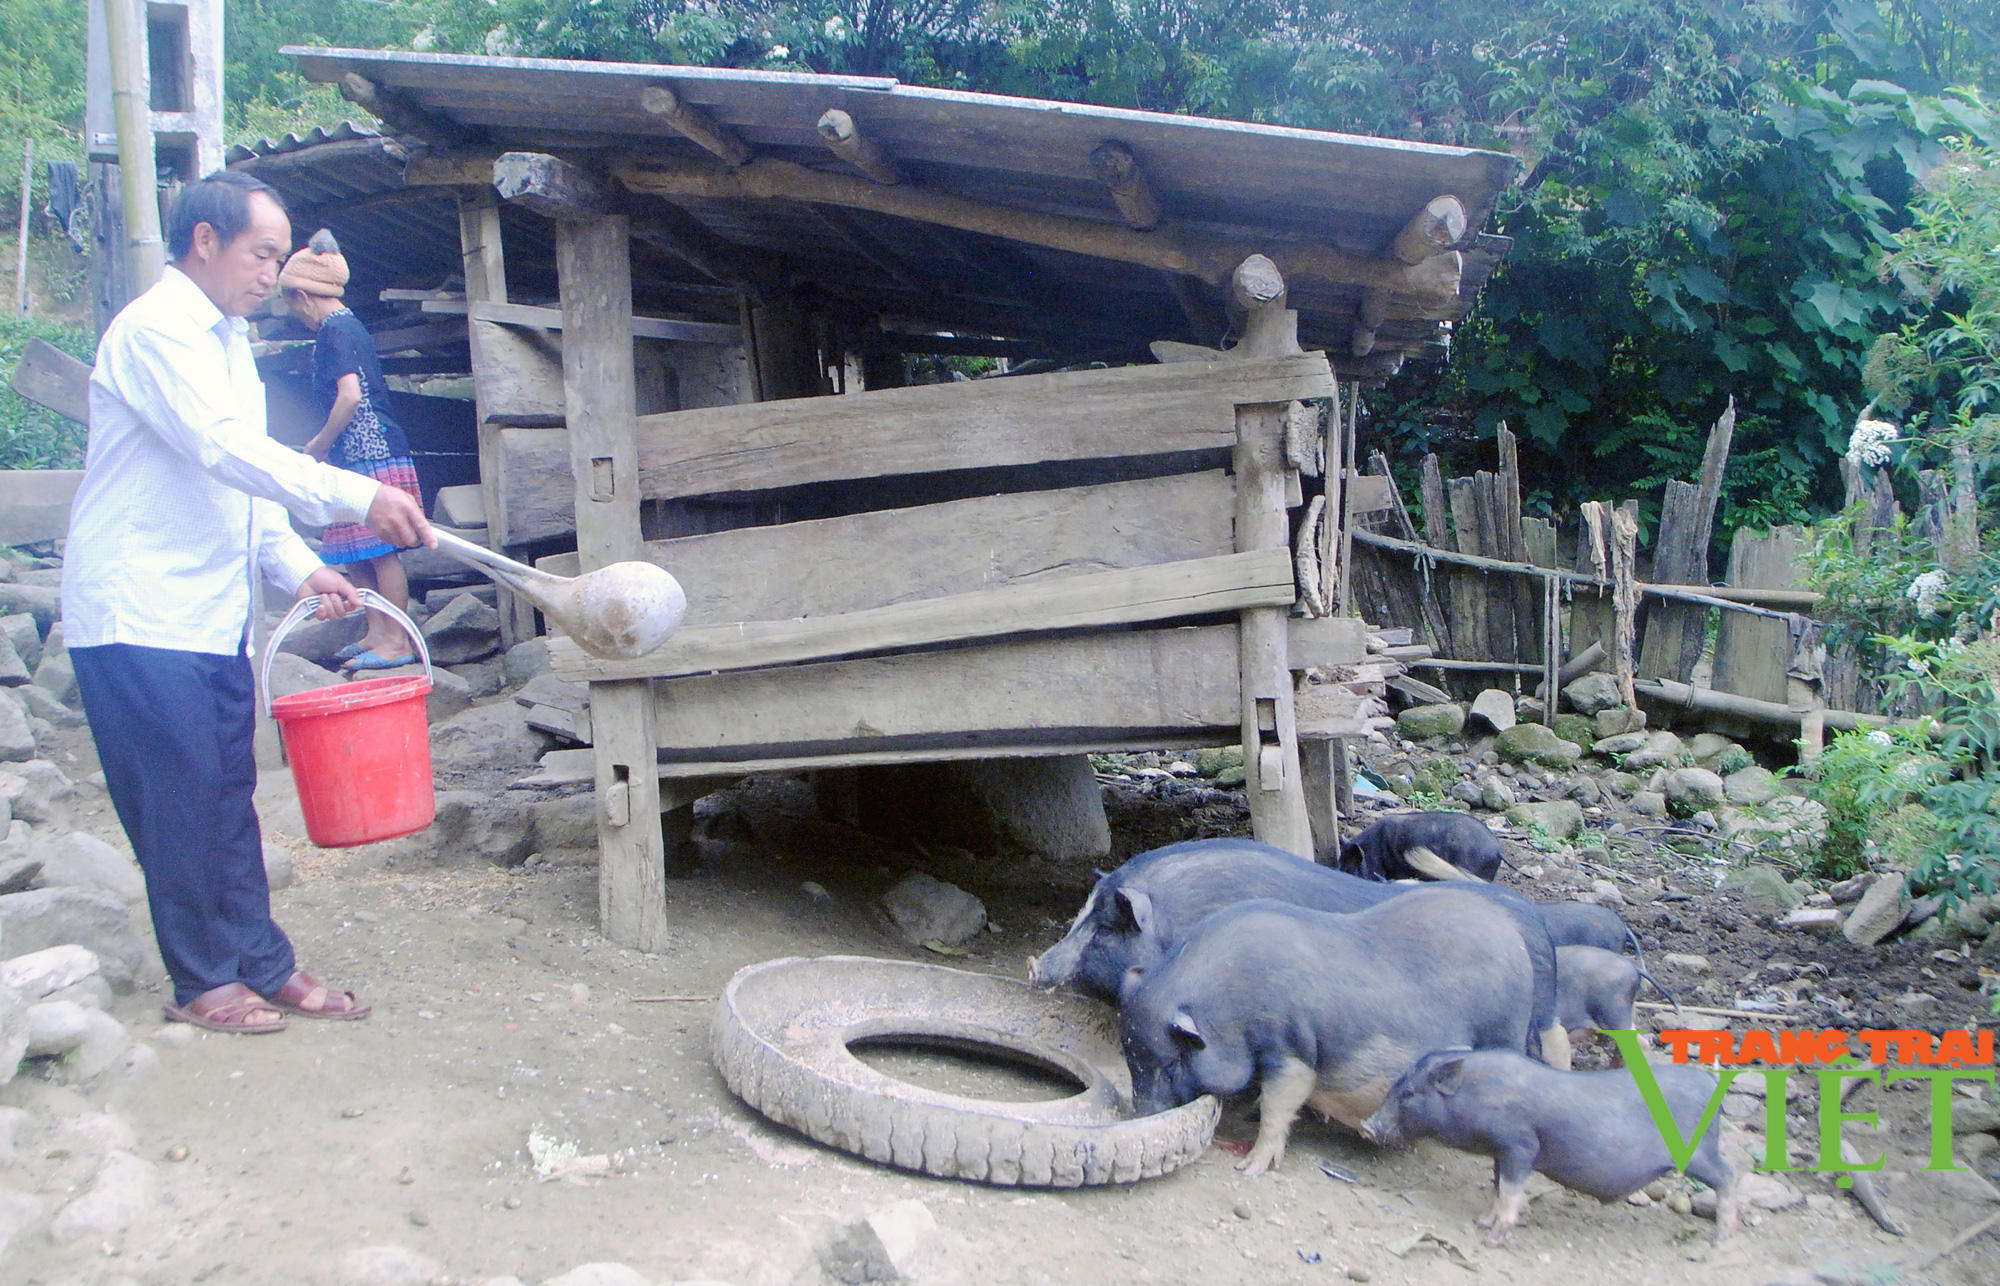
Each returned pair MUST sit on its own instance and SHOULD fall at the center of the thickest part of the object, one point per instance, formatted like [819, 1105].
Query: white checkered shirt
[182, 482]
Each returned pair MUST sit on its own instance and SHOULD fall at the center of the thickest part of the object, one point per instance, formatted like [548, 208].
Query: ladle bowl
[616, 613]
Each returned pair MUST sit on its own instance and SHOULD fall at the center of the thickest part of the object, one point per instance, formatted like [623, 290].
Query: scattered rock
[1586, 792]
[472, 828]
[1494, 708]
[1621, 784]
[924, 908]
[482, 678]
[38, 792]
[80, 860]
[462, 631]
[1420, 723]
[43, 602]
[1880, 911]
[450, 694]
[1607, 893]
[38, 973]
[1574, 727]
[1535, 744]
[13, 671]
[42, 705]
[1617, 721]
[1766, 1193]
[56, 675]
[1649, 803]
[490, 736]
[1752, 785]
[42, 918]
[1215, 759]
[17, 737]
[124, 1192]
[1691, 790]
[1763, 891]
[386, 1266]
[1467, 793]
[1592, 693]
[1815, 919]
[1706, 746]
[881, 1248]
[1495, 795]
[1560, 818]
[277, 865]
[25, 637]
[605, 1274]
[1850, 890]
[1785, 822]
[525, 660]
[292, 674]
[1685, 963]
[1659, 749]
[320, 641]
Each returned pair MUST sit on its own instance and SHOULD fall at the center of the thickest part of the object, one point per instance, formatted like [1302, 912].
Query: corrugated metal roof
[1222, 179]
[340, 133]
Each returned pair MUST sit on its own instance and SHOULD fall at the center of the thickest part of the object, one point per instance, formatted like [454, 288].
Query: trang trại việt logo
[1829, 1056]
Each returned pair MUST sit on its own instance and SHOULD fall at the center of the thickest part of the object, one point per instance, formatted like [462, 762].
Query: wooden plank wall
[1751, 652]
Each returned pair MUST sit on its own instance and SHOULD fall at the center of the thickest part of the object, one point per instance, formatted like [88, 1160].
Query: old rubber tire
[780, 1039]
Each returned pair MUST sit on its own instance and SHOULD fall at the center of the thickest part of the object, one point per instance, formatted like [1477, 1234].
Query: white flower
[1926, 591]
[1869, 444]
[1879, 737]
[836, 27]
[781, 51]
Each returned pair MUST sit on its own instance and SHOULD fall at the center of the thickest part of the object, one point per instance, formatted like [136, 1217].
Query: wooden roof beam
[1433, 230]
[846, 141]
[1176, 250]
[1119, 171]
[695, 124]
[400, 112]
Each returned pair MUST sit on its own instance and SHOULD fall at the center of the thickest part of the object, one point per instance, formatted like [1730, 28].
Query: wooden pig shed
[1112, 538]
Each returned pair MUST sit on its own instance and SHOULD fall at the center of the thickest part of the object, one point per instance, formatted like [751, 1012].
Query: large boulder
[1661, 749]
[1617, 720]
[525, 660]
[1593, 692]
[450, 694]
[462, 631]
[1051, 806]
[1763, 890]
[25, 637]
[83, 861]
[42, 704]
[1880, 912]
[1784, 822]
[489, 736]
[1558, 818]
[55, 674]
[569, 821]
[42, 918]
[292, 674]
[1574, 727]
[1495, 709]
[1693, 790]
[1534, 743]
[1420, 723]
[476, 829]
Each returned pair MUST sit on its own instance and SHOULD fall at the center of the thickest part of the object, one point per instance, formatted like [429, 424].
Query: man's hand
[399, 520]
[336, 597]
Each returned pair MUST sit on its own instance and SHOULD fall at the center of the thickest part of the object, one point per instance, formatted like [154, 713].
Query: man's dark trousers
[174, 733]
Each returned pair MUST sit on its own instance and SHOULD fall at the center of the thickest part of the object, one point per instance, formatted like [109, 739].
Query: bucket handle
[307, 606]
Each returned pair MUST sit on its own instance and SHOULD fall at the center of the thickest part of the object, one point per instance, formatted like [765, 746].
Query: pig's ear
[1137, 908]
[1446, 1074]
[1185, 1033]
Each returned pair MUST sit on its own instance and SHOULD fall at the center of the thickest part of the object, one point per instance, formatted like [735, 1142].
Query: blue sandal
[348, 653]
[376, 661]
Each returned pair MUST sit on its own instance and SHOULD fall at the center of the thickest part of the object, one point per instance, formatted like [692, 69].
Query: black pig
[1589, 1131]
[1320, 1009]
[1427, 846]
[1142, 910]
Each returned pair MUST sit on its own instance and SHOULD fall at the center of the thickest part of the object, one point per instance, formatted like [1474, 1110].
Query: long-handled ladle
[617, 612]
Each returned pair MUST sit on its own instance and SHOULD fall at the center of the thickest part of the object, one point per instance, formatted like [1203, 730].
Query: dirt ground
[499, 1011]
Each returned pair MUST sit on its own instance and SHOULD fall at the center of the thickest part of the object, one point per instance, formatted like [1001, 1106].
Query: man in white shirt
[183, 505]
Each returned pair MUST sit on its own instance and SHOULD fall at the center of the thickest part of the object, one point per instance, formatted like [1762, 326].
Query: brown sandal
[228, 1008]
[308, 998]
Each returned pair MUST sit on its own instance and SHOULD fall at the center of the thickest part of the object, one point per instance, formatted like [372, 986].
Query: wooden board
[1167, 591]
[833, 565]
[541, 318]
[1077, 415]
[1327, 641]
[1751, 652]
[1073, 690]
[1669, 628]
[50, 377]
[535, 489]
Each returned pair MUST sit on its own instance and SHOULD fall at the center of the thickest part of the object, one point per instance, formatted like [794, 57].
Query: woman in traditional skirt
[360, 435]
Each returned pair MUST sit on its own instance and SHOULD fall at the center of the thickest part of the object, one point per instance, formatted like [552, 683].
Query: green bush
[32, 436]
[1866, 779]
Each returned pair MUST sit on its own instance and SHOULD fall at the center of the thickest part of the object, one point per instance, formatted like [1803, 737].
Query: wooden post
[1625, 596]
[1317, 766]
[485, 267]
[21, 259]
[594, 272]
[1273, 779]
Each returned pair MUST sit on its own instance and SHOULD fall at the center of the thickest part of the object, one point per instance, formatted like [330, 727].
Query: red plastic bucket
[361, 751]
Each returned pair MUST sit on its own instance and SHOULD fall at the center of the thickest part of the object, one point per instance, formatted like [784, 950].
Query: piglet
[1595, 991]
[1589, 1131]
[1423, 845]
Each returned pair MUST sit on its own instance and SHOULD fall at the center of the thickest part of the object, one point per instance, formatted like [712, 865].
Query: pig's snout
[1382, 1129]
